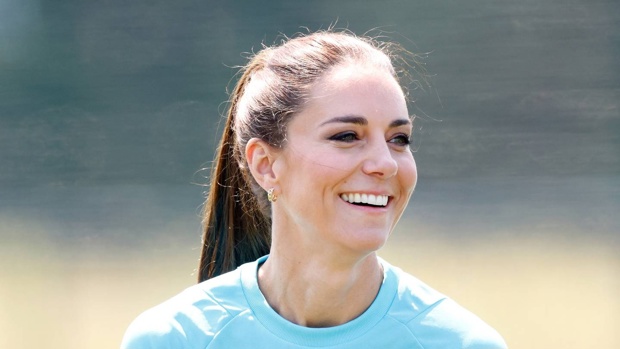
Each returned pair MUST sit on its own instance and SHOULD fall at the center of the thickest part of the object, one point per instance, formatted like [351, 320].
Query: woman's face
[347, 172]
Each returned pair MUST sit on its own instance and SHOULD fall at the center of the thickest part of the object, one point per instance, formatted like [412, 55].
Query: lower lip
[369, 209]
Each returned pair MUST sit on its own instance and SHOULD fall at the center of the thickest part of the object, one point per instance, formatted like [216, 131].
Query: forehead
[357, 89]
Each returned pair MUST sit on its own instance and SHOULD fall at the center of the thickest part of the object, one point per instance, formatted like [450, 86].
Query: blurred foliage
[119, 91]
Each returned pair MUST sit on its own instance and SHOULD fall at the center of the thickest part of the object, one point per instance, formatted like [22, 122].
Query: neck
[317, 291]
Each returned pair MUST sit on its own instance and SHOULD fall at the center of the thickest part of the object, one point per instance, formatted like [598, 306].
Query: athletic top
[229, 311]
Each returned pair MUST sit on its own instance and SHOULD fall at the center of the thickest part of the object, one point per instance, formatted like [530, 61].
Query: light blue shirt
[230, 311]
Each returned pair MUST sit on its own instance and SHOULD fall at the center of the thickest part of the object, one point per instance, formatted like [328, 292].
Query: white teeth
[370, 199]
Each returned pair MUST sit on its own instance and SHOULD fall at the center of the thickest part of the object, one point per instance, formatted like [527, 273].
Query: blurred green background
[109, 111]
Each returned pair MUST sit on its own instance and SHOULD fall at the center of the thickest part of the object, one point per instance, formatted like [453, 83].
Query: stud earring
[271, 196]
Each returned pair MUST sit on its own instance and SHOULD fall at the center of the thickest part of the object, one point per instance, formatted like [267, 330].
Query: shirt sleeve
[446, 324]
[153, 332]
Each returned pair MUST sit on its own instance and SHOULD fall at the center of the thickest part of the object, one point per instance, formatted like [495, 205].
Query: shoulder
[189, 319]
[455, 326]
[436, 320]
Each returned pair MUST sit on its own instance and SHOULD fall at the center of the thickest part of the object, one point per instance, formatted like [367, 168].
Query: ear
[260, 157]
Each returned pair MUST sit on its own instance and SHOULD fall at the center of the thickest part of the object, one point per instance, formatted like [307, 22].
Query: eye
[346, 137]
[401, 140]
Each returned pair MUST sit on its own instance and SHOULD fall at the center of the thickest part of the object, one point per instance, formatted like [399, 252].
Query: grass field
[538, 292]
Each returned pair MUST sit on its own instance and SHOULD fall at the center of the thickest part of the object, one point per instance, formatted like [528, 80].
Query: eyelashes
[346, 137]
[400, 139]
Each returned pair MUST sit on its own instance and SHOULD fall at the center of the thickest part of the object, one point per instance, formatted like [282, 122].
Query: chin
[367, 242]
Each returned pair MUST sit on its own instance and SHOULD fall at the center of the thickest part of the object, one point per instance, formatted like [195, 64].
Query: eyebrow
[360, 120]
[400, 122]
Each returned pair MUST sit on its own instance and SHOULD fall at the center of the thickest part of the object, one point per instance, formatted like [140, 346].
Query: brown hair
[273, 87]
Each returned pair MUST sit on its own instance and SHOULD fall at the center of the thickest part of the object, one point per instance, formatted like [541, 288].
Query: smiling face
[346, 172]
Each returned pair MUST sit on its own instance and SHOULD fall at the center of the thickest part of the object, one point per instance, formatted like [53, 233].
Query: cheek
[315, 170]
[408, 173]
[329, 162]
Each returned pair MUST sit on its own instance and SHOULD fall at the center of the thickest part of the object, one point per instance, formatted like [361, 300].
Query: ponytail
[235, 229]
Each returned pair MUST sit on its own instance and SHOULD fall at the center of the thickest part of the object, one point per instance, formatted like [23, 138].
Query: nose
[380, 161]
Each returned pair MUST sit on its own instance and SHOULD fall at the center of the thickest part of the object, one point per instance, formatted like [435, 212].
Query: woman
[314, 169]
